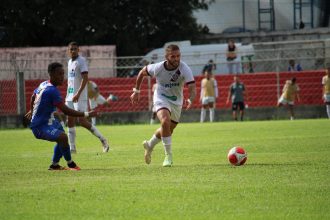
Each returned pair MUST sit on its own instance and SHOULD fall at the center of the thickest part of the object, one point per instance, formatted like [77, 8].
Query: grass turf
[286, 175]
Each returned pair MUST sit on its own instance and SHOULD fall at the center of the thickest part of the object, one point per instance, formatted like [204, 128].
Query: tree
[132, 25]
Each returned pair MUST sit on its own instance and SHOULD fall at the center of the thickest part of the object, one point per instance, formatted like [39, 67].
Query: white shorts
[80, 106]
[207, 99]
[326, 97]
[99, 100]
[175, 110]
[285, 101]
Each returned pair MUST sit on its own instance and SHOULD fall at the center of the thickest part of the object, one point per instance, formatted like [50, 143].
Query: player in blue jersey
[44, 101]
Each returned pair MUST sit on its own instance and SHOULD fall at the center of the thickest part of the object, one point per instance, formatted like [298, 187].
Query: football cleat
[73, 166]
[106, 146]
[57, 167]
[147, 152]
[168, 162]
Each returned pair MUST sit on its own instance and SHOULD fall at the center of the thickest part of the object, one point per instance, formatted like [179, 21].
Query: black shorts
[238, 105]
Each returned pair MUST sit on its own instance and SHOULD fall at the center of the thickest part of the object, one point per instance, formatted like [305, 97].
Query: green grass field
[287, 174]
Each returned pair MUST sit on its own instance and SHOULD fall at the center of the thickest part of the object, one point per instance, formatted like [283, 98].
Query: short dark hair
[53, 66]
[73, 43]
[172, 47]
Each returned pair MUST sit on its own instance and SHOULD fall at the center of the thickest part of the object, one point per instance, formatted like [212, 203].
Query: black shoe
[56, 167]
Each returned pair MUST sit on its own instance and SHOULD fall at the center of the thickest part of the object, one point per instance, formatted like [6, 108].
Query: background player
[44, 101]
[76, 97]
[290, 93]
[326, 89]
[171, 75]
[95, 98]
[237, 94]
[209, 94]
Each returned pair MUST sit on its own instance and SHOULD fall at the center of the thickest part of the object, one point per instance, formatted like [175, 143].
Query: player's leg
[241, 110]
[55, 133]
[203, 113]
[62, 142]
[82, 106]
[211, 109]
[92, 106]
[328, 109]
[234, 109]
[72, 129]
[290, 107]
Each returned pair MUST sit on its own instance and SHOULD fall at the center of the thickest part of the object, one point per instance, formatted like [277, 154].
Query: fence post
[20, 87]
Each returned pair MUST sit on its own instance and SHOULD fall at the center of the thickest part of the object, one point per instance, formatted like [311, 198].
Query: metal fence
[265, 58]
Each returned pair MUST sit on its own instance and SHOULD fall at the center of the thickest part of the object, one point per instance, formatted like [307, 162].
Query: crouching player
[44, 101]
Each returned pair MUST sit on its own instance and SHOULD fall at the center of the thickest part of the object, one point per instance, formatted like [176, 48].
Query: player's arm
[229, 95]
[136, 89]
[192, 94]
[82, 86]
[28, 115]
[71, 112]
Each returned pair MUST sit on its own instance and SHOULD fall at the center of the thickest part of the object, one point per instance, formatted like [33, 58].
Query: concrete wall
[33, 61]
[302, 112]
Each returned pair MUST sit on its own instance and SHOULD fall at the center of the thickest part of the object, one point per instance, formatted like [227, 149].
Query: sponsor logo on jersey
[173, 97]
[175, 76]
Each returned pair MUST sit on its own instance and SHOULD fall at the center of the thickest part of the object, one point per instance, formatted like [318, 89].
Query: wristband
[135, 90]
[189, 101]
[86, 114]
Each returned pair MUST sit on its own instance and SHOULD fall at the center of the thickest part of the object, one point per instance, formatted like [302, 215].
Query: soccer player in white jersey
[76, 97]
[326, 88]
[171, 75]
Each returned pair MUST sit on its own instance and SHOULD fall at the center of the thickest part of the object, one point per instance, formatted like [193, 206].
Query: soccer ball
[237, 156]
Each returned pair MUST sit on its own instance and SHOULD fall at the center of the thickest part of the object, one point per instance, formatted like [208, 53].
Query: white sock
[211, 114]
[93, 121]
[328, 110]
[203, 114]
[167, 142]
[97, 133]
[72, 138]
[153, 141]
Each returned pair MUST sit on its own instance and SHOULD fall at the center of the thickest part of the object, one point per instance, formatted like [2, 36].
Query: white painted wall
[228, 13]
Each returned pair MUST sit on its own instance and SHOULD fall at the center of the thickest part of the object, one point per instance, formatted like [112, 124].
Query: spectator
[210, 66]
[326, 88]
[290, 93]
[209, 93]
[237, 93]
[233, 65]
[96, 99]
[293, 66]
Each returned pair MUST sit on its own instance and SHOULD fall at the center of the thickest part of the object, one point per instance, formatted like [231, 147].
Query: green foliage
[133, 26]
[286, 175]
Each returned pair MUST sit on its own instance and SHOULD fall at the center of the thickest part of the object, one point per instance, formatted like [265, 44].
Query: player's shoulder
[184, 68]
[81, 59]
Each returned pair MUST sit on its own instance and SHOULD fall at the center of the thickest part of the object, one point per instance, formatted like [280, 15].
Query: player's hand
[92, 114]
[135, 97]
[27, 119]
[188, 103]
[28, 115]
[75, 98]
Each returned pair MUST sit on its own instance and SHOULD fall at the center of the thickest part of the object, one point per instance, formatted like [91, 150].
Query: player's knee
[63, 139]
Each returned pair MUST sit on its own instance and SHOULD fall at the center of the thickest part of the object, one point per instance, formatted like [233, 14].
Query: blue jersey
[46, 100]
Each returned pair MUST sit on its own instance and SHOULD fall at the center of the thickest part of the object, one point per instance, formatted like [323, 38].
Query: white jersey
[75, 68]
[170, 83]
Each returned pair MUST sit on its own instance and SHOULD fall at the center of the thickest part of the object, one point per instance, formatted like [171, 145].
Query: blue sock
[66, 152]
[57, 154]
